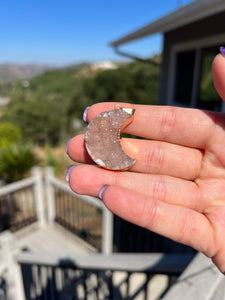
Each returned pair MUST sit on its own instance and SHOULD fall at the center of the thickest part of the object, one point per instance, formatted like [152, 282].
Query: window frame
[197, 46]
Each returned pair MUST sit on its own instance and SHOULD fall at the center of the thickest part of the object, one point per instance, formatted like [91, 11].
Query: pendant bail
[129, 111]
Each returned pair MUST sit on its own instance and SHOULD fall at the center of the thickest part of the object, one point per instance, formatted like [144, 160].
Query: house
[192, 35]
[104, 65]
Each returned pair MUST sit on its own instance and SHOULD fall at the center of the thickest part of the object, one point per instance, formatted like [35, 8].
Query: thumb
[218, 69]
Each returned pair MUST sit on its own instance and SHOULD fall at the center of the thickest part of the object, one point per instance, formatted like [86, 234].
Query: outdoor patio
[60, 246]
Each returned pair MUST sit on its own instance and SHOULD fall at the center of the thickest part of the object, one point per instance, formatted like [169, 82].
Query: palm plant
[15, 161]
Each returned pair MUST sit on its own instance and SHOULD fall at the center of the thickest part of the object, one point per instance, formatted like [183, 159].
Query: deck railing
[83, 215]
[121, 276]
[21, 203]
[3, 284]
[201, 280]
[10, 279]
[98, 276]
[94, 275]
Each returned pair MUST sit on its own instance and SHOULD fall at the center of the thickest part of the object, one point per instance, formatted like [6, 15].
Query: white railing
[48, 216]
[3, 287]
[9, 269]
[35, 182]
[43, 200]
[107, 217]
[201, 280]
[30, 190]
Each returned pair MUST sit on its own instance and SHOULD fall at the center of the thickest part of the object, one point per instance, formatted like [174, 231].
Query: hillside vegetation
[49, 107]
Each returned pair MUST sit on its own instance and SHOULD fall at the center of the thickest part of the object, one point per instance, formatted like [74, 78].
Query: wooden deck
[46, 239]
[51, 239]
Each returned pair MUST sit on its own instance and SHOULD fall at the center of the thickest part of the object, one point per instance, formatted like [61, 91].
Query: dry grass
[56, 158]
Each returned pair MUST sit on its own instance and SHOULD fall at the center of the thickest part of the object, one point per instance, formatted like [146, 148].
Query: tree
[9, 133]
[40, 122]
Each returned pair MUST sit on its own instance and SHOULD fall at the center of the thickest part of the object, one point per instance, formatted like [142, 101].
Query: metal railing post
[39, 196]
[107, 231]
[49, 173]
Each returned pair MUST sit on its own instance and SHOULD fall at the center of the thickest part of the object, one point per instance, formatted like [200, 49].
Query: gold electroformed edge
[131, 112]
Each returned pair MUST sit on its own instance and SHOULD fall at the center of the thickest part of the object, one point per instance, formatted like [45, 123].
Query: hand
[177, 186]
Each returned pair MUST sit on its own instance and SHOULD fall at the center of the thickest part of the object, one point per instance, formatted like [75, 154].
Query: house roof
[187, 14]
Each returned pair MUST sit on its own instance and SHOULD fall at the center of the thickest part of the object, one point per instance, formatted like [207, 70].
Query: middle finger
[152, 157]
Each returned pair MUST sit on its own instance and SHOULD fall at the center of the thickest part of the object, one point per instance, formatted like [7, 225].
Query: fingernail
[70, 168]
[222, 50]
[102, 191]
[67, 145]
[85, 113]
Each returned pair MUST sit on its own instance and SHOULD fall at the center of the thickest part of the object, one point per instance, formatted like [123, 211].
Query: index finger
[183, 126]
[218, 69]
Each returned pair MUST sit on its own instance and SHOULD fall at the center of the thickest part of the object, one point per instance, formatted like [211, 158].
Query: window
[207, 95]
[184, 77]
[192, 80]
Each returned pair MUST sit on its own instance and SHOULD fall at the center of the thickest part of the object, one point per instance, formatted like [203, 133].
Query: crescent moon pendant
[103, 141]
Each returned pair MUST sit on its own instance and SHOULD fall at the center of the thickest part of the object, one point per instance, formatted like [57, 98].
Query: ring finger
[88, 180]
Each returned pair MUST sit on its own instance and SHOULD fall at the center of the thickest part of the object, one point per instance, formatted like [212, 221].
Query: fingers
[88, 180]
[77, 151]
[219, 75]
[175, 222]
[187, 127]
[151, 157]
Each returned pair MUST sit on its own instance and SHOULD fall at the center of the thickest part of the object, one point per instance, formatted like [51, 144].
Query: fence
[86, 216]
[121, 276]
[94, 275]
[97, 276]
[21, 203]
[10, 279]
[3, 284]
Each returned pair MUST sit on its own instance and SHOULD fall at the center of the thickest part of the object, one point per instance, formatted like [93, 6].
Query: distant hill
[11, 72]
[48, 107]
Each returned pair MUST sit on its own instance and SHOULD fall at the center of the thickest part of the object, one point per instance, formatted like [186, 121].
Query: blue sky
[70, 31]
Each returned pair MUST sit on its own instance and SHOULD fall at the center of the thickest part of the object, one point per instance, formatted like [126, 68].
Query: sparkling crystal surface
[102, 140]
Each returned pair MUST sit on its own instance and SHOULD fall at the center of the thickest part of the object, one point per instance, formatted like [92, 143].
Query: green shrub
[9, 134]
[15, 161]
[56, 161]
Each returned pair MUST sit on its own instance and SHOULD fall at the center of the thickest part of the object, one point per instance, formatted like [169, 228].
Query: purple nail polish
[85, 113]
[222, 50]
[67, 144]
[102, 191]
[68, 173]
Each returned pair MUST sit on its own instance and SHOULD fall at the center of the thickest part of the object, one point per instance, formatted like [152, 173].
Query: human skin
[177, 186]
